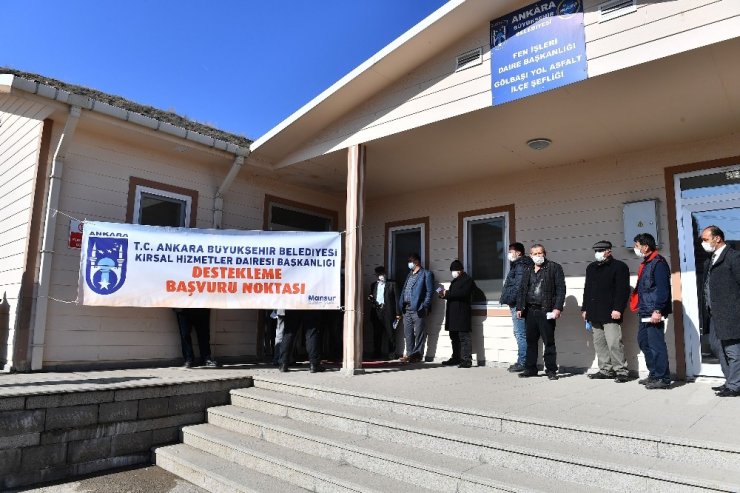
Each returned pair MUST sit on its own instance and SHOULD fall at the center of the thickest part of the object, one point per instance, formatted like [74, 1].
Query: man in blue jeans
[651, 299]
[518, 263]
[415, 302]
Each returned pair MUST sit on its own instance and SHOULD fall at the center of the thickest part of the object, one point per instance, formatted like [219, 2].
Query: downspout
[47, 242]
[218, 201]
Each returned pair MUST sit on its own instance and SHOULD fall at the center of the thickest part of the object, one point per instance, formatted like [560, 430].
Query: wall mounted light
[538, 144]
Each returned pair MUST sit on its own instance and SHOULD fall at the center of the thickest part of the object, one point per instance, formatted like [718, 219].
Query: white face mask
[411, 265]
[600, 256]
[638, 252]
[513, 256]
[708, 247]
[538, 260]
[381, 278]
[455, 274]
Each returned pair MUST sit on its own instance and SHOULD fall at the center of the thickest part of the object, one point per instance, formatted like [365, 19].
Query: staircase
[280, 436]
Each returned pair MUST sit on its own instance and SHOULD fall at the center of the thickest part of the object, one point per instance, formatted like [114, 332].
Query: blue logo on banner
[105, 271]
[537, 48]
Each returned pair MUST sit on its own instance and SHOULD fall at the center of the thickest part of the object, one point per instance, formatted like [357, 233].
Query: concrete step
[309, 471]
[708, 455]
[217, 474]
[554, 459]
[418, 466]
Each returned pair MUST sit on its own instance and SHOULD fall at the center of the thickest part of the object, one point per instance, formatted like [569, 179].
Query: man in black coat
[383, 311]
[605, 297]
[721, 294]
[458, 316]
[540, 302]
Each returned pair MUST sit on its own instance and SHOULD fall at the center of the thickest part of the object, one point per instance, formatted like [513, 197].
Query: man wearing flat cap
[605, 298]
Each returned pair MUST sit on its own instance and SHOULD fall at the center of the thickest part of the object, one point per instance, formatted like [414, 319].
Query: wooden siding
[568, 219]
[21, 125]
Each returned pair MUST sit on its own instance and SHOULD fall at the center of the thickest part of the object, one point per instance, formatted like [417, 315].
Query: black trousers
[462, 346]
[539, 327]
[310, 320]
[200, 320]
[382, 330]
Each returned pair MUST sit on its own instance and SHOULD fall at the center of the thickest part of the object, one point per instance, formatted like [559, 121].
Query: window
[159, 204]
[485, 236]
[286, 215]
[402, 239]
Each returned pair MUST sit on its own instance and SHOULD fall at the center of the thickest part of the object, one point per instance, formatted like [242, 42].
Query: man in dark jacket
[721, 294]
[605, 297]
[383, 313]
[458, 316]
[518, 263]
[540, 302]
[651, 299]
[415, 303]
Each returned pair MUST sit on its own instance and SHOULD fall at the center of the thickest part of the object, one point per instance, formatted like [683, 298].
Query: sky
[241, 66]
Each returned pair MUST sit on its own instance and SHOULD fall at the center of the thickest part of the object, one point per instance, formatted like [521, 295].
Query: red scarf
[634, 300]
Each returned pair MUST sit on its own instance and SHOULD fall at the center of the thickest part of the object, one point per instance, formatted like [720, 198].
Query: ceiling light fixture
[538, 144]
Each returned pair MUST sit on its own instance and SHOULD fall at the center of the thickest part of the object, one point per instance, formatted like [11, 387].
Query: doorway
[709, 197]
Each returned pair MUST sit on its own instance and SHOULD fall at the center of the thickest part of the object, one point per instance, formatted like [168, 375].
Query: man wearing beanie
[605, 297]
[458, 316]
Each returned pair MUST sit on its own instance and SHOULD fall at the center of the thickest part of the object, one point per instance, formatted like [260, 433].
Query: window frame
[137, 186]
[312, 210]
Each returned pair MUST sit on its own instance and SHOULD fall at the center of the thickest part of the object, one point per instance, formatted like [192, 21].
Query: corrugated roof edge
[166, 118]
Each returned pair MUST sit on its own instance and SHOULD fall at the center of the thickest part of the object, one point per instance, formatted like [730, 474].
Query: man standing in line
[458, 316]
[311, 320]
[200, 320]
[605, 297]
[540, 302]
[518, 263]
[383, 313]
[721, 295]
[415, 303]
[651, 299]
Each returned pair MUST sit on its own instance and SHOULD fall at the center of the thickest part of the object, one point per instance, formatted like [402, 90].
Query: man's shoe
[552, 375]
[645, 381]
[403, 359]
[599, 375]
[719, 388]
[415, 358]
[622, 378]
[465, 364]
[284, 369]
[210, 363]
[728, 393]
[515, 368]
[527, 374]
[187, 364]
[317, 368]
[658, 384]
[451, 362]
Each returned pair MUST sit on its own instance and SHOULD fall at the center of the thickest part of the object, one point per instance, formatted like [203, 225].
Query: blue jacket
[654, 288]
[510, 292]
[421, 294]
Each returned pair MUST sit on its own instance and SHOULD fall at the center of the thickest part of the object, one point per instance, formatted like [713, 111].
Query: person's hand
[656, 318]
[442, 293]
[583, 315]
[398, 317]
[556, 314]
[519, 314]
[616, 315]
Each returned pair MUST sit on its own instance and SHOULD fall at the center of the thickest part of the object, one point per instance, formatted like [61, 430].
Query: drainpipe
[47, 243]
[218, 201]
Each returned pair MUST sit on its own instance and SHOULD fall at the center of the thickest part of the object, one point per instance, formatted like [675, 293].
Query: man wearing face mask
[518, 263]
[721, 316]
[458, 316]
[651, 299]
[540, 302]
[414, 303]
[605, 297]
[383, 313]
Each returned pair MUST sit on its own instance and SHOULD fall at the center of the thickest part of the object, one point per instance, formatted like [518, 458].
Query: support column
[353, 298]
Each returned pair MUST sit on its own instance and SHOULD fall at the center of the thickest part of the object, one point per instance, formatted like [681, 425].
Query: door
[403, 241]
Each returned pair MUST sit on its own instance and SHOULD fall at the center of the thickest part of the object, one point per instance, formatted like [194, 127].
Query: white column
[353, 298]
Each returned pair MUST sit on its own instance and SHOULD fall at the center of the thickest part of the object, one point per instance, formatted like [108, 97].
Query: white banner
[134, 265]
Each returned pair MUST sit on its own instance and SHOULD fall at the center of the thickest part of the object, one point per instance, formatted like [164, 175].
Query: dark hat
[602, 245]
[456, 265]
[380, 269]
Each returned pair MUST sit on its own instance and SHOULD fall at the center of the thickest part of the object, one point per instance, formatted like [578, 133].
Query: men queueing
[311, 321]
[518, 263]
[200, 320]
[414, 303]
[383, 311]
[458, 316]
[722, 317]
[540, 302]
[605, 297]
[651, 299]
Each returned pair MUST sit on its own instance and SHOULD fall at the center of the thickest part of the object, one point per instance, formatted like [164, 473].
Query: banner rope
[57, 211]
[75, 302]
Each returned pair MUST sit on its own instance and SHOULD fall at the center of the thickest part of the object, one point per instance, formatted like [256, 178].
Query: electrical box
[640, 217]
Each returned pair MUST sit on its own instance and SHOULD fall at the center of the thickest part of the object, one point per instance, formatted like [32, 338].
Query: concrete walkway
[686, 411]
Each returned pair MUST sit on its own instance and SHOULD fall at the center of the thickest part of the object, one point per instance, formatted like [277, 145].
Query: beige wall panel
[568, 219]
